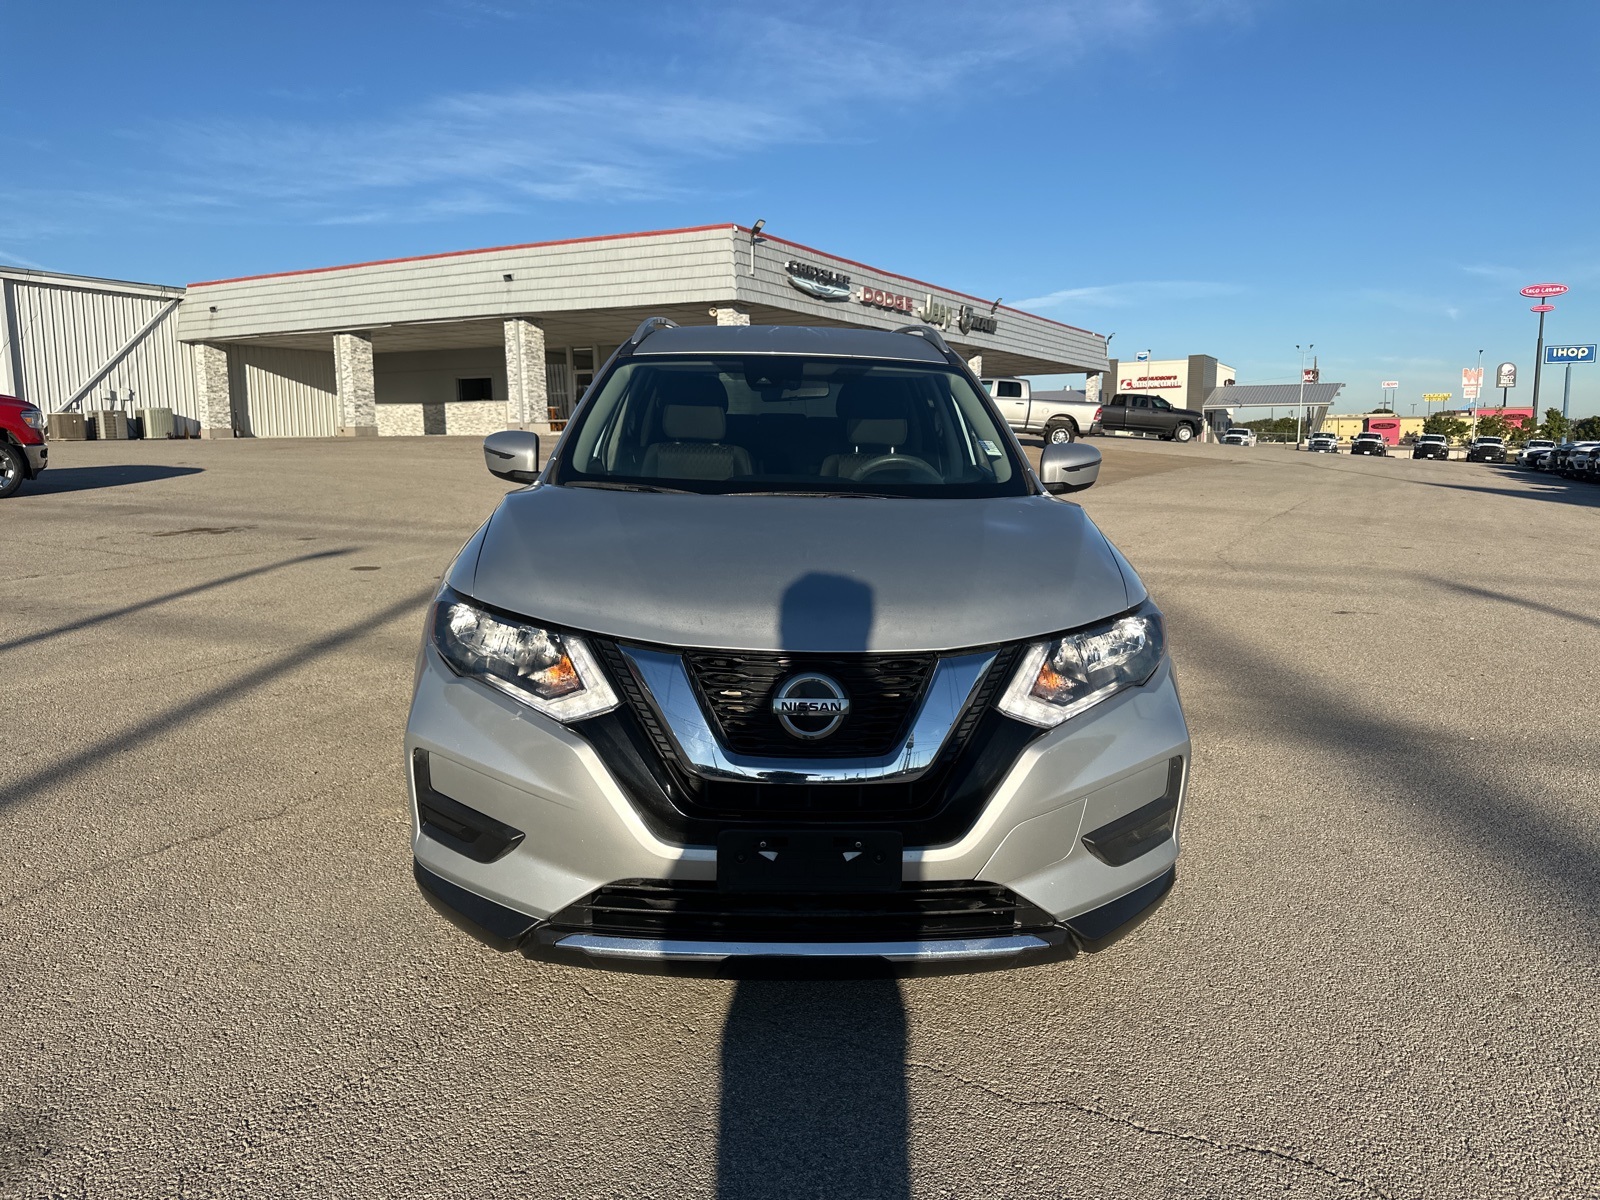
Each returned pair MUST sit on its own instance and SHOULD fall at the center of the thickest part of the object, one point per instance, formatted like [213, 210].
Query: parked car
[1585, 463]
[1239, 436]
[1431, 445]
[23, 452]
[1369, 443]
[1056, 416]
[1531, 446]
[1565, 457]
[1487, 449]
[1323, 443]
[1539, 460]
[646, 732]
[1134, 413]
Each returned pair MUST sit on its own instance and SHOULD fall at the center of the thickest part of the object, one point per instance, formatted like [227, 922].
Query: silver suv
[788, 654]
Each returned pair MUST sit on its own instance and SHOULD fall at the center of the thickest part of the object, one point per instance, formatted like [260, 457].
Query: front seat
[876, 422]
[694, 420]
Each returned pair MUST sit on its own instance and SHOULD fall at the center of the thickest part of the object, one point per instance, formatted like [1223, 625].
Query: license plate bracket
[796, 861]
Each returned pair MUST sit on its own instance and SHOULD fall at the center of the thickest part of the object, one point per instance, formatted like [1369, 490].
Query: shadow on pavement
[1550, 610]
[814, 1092]
[56, 480]
[1549, 488]
[291, 659]
[33, 639]
[1542, 850]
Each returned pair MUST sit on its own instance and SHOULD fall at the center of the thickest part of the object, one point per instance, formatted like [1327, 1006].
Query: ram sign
[1557, 356]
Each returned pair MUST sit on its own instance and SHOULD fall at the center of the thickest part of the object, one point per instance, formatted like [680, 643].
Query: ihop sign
[1557, 356]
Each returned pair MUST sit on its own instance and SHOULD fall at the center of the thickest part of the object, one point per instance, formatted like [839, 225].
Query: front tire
[13, 469]
[1183, 433]
[1060, 434]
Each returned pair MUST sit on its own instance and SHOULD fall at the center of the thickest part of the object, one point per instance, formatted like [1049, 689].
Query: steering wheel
[907, 464]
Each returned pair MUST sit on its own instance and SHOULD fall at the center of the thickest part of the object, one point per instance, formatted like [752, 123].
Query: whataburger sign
[826, 284]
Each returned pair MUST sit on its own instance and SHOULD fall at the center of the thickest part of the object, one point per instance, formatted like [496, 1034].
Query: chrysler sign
[818, 281]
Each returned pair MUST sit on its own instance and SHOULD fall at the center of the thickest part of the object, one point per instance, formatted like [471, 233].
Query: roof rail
[648, 326]
[933, 335]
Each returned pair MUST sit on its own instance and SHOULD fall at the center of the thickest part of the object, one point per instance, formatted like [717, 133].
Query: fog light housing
[1119, 842]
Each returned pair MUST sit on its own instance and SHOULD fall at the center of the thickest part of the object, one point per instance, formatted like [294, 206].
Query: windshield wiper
[614, 486]
[830, 495]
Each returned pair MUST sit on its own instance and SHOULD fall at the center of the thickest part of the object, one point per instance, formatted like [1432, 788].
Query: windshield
[771, 424]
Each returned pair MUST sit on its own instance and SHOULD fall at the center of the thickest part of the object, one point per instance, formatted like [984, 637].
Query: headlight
[33, 418]
[1060, 679]
[553, 673]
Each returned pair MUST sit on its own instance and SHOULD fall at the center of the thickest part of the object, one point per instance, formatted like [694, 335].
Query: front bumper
[38, 458]
[580, 833]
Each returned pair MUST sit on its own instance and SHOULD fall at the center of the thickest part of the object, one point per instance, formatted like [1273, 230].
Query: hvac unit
[67, 427]
[158, 423]
[111, 426]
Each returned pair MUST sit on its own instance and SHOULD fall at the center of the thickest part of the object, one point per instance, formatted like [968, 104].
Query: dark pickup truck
[23, 453]
[1136, 413]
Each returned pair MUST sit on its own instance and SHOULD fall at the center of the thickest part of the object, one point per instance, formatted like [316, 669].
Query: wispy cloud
[1126, 295]
[736, 82]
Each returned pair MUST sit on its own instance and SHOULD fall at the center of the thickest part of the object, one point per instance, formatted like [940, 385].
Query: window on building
[475, 389]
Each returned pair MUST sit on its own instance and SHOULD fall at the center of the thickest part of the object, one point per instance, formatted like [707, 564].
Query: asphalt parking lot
[1378, 976]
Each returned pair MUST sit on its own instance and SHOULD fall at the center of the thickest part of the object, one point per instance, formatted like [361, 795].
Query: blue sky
[1198, 176]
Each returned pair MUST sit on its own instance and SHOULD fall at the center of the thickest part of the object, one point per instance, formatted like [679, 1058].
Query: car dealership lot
[1377, 975]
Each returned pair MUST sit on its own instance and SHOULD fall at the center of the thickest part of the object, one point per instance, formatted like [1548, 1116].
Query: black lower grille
[737, 688]
[699, 911]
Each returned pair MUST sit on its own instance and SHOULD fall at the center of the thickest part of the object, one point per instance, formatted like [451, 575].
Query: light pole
[1479, 386]
[1300, 413]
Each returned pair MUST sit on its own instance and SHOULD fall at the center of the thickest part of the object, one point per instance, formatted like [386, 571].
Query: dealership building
[467, 342]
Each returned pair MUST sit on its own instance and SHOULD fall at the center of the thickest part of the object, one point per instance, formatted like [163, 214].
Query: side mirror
[1069, 467]
[512, 454]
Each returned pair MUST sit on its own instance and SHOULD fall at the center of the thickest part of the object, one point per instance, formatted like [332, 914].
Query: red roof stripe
[384, 262]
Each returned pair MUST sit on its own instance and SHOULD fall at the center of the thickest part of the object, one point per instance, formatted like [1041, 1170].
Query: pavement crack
[1272, 1153]
[123, 860]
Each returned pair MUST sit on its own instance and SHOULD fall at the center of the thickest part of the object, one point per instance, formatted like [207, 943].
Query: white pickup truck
[1057, 416]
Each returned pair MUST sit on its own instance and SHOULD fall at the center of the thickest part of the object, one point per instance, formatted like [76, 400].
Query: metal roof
[789, 339]
[1272, 395]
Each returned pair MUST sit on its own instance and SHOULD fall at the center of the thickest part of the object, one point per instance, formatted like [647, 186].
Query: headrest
[681, 387]
[693, 422]
[874, 398]
[876, 431]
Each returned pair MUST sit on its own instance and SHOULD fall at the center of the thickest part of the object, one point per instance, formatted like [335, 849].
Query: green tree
[1381, 412]
[1494, 425]
[1555, 425]
[1586, 429]
[1452, 426]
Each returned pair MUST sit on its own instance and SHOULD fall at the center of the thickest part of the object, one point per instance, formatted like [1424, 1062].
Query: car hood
[801, 573]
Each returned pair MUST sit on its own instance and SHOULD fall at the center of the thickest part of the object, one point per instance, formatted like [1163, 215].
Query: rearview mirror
[512, 454]
[1069, 467]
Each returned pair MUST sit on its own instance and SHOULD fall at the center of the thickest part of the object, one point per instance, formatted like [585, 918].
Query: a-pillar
[358, 397]
[527, 386]
[731, 316]
[211, 380]
[975, 365]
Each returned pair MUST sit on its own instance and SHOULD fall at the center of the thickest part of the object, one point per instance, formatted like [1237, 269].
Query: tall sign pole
[1541, 291]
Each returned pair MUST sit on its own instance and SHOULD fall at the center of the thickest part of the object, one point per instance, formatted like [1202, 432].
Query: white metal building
[480, 340]
[71, 342]
[468, 342]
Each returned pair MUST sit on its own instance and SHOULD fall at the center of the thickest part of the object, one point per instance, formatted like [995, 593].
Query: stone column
[211, 381]
[527, 388]
[731, 316]
[1092, 387]
[975, 365]
[358, 397]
